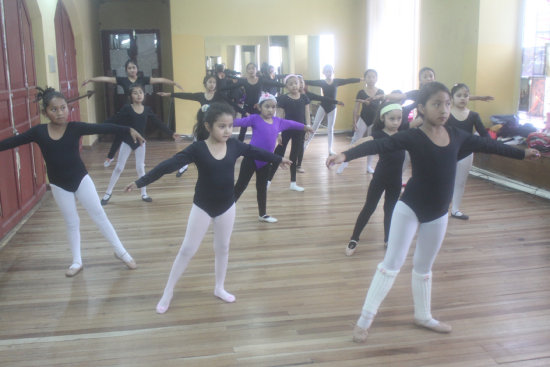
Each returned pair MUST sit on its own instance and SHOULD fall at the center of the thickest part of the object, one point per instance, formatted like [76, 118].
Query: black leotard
[214, 188]
[64, 165]
[430, 188]
[295, 109]
[329, 90]
[127, 116]
[368, 111]
[201, 98]
[472, 121]
[125, 83]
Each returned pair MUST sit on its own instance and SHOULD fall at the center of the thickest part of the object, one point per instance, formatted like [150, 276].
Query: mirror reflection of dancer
[386, 177]
[329, 86]
[253, 86]
[125, 82]
[136, 116]
[363, 122]
[59, 142]
[434, 149]
[462, 118]
[209, 96]
[265, 129]
[214, 154]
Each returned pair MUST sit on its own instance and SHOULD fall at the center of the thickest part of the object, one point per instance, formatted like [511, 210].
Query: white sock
[295, 187]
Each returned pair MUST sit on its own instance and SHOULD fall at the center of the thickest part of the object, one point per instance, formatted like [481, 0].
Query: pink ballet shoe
[73, 270]
[161, 309]
[128, 260]
[434, 325]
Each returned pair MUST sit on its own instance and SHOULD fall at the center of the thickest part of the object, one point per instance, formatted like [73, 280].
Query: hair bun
[205, 107]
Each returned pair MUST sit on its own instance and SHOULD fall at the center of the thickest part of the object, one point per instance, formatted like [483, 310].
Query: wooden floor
[298, 295]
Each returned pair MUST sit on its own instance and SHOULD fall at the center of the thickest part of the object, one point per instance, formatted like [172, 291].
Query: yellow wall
[477, 43]
[83, 19]
[193, 20]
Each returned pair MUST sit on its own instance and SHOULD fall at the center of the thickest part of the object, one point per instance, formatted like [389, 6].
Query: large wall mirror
[301, 54]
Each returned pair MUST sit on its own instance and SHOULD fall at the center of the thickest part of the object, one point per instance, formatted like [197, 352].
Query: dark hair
[457, 87]
[213, 112]
[219, 68]
[209, 76]
[425, 68]
[429, 90]
[378, 123]
[370, 70]
[131, 89]
[46, 95]
[251, 63]
[128, 62]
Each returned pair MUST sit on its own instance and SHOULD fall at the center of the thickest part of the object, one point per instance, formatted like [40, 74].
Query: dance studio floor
[298, 295]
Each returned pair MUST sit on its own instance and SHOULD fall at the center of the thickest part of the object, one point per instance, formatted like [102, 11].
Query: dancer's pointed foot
[164, 304]
[434, 325]
[360, 334]
[73, 270]
[224, 295]
[128, 260]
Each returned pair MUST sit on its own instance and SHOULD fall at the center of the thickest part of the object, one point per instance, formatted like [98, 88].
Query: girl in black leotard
[462, 118]
[386, 177]
[214, 155]
[59, 142]
[124, 82]
[135, 115]
[434, 149]
[329, 86]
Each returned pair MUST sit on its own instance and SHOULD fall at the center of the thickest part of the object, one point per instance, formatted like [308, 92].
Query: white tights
[86, 194]
[197, 225]
[331, 118]
[404, 225]
[123, 154]
[462, 170]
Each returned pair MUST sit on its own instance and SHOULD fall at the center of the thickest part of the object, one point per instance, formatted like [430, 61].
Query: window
[534, 99]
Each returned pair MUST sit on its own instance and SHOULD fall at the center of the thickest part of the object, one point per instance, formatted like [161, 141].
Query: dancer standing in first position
[59, 141]
[434, 149]
[214, 199]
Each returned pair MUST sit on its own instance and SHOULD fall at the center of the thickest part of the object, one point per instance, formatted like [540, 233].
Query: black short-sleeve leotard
[368, 111]
[329, 90]
[125, 83]
[429, 190]
[214, 192]
[201, 98]
[253, 91]
[472, 121]
[129, 117]
[295, 109]
[63, 163]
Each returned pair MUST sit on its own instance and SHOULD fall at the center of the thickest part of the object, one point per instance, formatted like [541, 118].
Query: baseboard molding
[510, 183]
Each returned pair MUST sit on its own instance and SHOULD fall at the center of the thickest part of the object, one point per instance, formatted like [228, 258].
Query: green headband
[390, 107]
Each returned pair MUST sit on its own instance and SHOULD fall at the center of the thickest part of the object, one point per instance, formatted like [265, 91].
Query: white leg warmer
[379, 288]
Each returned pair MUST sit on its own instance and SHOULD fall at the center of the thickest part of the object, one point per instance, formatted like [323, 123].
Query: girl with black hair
[125, 82]
[135, 115]
[434, 149]
[386, 177]
[59, 142]
[214, 154]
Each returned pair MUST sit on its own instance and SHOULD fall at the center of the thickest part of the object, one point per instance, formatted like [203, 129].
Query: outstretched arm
[165, 81]
[100, 79]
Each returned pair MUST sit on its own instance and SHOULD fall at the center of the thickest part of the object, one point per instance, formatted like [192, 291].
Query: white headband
[265, 97]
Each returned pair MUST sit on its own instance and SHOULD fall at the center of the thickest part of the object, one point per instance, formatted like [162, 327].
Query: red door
[66, 59]
[22, 181]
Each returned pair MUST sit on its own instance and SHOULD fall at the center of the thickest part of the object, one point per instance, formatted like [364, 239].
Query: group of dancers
[438, 137]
